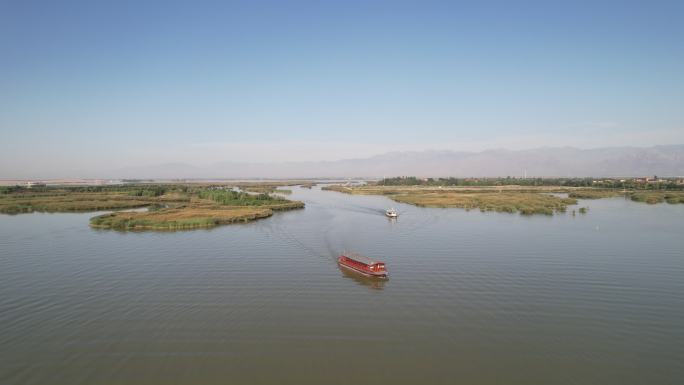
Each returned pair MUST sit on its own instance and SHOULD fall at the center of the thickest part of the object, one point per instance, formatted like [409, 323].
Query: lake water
[473, 298]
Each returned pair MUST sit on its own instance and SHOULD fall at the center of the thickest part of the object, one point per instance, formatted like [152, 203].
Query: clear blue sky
[114, 83]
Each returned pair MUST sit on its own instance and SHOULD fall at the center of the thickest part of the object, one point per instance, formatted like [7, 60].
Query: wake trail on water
[420, 222]
[287, 236]
[357, 209]
[331, 247]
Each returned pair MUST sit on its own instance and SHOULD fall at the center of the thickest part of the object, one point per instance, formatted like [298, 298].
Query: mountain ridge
[664, 160]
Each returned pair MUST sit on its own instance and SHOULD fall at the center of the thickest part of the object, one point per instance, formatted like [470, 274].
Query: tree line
[664, 184]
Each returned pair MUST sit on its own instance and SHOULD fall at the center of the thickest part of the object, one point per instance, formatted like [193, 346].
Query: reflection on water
[376, 283]
[474, 298]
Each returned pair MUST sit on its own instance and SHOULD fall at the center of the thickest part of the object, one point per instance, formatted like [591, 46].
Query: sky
[95, 85]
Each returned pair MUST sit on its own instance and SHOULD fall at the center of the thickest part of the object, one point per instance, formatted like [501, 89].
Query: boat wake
[287, 236]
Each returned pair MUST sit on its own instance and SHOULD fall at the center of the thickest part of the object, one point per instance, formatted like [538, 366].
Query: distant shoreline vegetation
[645, 183]
[170, 206]
[653, 197]
[521, 201]
[524, 196]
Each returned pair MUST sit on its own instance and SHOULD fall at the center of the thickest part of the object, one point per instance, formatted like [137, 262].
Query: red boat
[363, 265]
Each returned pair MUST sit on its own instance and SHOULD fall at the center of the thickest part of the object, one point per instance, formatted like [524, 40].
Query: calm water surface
[473, 298]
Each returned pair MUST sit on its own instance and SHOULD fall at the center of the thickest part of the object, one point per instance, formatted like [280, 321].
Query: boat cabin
[363, 264]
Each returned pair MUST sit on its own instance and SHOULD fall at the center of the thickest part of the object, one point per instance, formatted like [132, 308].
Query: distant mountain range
[541, 162]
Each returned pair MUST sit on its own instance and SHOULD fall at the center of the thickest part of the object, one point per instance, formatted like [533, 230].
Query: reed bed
[653, 197]
[510, 202]
[178, 219]
[513, 199]
[595, 194]
[170, 207]
[65, 202]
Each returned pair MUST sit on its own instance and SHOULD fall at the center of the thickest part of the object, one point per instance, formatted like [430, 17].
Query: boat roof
[360, 258]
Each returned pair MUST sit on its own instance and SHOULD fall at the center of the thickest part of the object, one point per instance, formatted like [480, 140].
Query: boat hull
[381, 274]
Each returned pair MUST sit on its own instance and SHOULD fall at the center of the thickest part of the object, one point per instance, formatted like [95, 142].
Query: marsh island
[524, 196]
[165, 206]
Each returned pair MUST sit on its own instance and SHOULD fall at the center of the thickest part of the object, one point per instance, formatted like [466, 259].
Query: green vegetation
[418, 194]
[178, 219]
[606, 183]
[151, 191]
[650, 197]
[510, 202]
[594, 194]
[170, 206]
[583, 210]
[260, 189]
[236, 198]
[267, 190]
[485, 199]
[65, 201]
[653, 197]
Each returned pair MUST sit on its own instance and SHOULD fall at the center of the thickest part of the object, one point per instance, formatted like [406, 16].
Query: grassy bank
[392, 190]
[198, 215]
[179, 218]
[267, 190]
[171, 207]
[649, 197]
[511, 199]
[510, 202]
[653, 197]
[65, 201]
[595, 194]
[523, 199]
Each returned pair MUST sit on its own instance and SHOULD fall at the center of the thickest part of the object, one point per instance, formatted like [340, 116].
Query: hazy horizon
[547, 162]
[89, 88]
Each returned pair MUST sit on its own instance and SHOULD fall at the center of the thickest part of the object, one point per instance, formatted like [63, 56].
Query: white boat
[392, 213]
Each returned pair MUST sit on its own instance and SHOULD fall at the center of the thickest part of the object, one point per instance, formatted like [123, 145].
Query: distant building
[32, 184]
